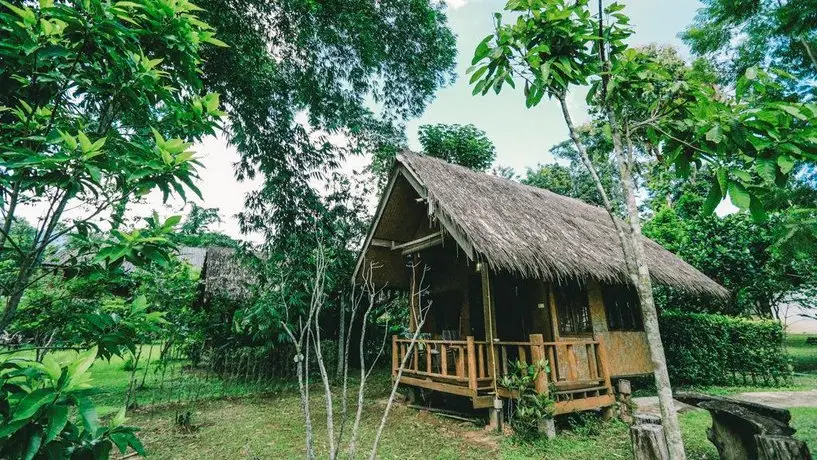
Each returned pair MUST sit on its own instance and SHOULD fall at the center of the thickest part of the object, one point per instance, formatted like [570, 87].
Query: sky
[522, 136]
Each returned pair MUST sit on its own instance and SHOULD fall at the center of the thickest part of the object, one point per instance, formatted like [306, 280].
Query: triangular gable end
[404, 214]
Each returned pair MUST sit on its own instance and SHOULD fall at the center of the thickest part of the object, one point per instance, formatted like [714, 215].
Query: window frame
[572, 302]
[622, 307]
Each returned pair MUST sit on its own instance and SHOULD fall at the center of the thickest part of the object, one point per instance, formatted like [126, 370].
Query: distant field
[804, 356]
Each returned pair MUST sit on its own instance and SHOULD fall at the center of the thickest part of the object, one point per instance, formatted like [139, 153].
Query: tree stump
[743, 430]
[648, 442]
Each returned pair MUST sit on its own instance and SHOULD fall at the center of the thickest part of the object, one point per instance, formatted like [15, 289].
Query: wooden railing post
[601, 356]
[537, 354]
[472, 363]
[572, 372]
[394, 355]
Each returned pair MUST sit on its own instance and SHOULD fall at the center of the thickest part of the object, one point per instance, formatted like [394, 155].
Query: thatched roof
[526, 230]
[224, 274]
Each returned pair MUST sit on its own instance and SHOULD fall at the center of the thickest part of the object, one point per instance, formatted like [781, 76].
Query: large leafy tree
[299, 82]
[744, 255]
[99, 104]
[738, 35]
[465, 145]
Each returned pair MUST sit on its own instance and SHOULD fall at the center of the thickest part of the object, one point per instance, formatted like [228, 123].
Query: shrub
[708, 349]
[530, 407]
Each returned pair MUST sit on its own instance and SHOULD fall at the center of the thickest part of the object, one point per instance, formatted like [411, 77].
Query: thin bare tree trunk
[341, 340]
[669, 417]
[362, 385]
[327, 390]
[638, 271]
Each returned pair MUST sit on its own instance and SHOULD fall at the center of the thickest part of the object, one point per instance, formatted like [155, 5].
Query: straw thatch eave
[532, 232]
[223, 274]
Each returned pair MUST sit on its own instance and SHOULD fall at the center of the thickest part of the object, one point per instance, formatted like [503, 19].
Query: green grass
[272, 427]
[227, 425]
[804, 357]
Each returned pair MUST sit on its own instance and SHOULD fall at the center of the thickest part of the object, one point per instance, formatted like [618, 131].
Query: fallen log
[745, 430]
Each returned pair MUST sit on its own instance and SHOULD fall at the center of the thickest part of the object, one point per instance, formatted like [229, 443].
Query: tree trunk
[638, 271]
[341, 341]
[669, 416]
[29, 264]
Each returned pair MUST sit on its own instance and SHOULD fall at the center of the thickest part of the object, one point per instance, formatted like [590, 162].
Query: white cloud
[456, 4]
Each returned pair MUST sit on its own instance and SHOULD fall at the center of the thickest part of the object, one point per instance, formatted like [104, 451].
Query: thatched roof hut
[531, 232]
[223, 274]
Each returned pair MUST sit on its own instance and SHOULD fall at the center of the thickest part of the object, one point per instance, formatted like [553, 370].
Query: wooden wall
[628, 351]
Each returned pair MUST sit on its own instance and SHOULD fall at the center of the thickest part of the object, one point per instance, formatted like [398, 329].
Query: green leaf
[172, 221]
[216, 41]
[482, 50]
[715, 135]
[793, 111]
[739, 196]
[7, 429]
[766, 168]
[84, 142]
[140, 303]
[118, 419]
[34, 443]
[786, 163]
[478, 74]
[713, 199]
[723, 180]
[57, 418]
[757, 211]
[83, 362]
[751, 73]
[26, 14]
[51, 367]
[87, 412]
[33, 402]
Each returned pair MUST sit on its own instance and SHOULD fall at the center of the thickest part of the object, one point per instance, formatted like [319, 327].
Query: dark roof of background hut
[538, 233]
[224, 274]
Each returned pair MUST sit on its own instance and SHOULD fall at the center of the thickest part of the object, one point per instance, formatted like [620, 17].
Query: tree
[457, 144]
[195, 230]
[738, 35]
[574, 180]
[551, 46]
[298, 79]
[742, 254]
[99, 106]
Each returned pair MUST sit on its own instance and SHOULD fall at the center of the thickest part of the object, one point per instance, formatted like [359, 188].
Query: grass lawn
[804, 357]
[272, 427]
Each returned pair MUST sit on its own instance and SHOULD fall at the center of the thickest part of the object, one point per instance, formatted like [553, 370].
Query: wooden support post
[572, 373]
[460, 362]
[394, 355]
[482, 373]
[490, 321]
[537, 354]
[554, 365]
[428, 358]
[601, 356]
[472, 363]
[522, 357]
[443, 359]
[554, 317]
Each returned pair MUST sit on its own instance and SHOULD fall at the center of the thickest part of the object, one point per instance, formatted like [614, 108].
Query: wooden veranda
[472, 369]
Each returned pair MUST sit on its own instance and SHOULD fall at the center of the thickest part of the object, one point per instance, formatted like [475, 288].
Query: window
[622, 308]
[573, 310]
